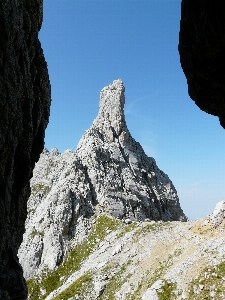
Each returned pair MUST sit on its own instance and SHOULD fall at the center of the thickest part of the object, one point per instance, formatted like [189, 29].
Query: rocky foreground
[141, 260]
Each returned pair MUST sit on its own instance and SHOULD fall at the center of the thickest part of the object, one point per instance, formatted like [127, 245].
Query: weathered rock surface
[59, 209]
[24, 112]
[109, 173]
[202, 47]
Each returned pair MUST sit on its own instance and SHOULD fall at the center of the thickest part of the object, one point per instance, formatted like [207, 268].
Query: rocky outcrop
[24, 112]
[218, 214]
[109, 173]
[202, 47]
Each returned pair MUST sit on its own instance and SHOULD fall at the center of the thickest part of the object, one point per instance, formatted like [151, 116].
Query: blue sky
[88, 44]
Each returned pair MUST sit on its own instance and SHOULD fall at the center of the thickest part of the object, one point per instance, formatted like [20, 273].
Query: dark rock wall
[24, 113]
[202, 54]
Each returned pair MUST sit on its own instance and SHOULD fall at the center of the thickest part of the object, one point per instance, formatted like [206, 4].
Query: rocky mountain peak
[126, 181]
[109, 173]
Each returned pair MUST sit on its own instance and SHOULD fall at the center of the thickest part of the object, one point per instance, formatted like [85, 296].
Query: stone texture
[201, 48]
[109, 173]
[59, 209]
[24, 112]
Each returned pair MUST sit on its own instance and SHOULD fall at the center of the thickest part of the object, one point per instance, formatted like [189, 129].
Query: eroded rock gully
[24, 113]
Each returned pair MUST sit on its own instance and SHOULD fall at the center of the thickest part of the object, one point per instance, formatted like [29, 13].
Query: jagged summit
[127, 182]
[108, 173]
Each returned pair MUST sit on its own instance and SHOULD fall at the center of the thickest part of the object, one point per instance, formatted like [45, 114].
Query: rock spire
[126, 181]
[111, 114]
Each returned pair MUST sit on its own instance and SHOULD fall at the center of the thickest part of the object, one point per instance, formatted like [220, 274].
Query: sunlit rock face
[108, 173]
[127, 182]
[24, 112]
[202, 48]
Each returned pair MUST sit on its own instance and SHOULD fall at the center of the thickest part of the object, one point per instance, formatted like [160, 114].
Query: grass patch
[127, 228]
[80, 287]
[115, 283]
[210, 283]
[40, 188]
[178, 252]
[35, 232]
[137, 294]
[51, 280]
[167, 291]
[151, 227]
[31, 211]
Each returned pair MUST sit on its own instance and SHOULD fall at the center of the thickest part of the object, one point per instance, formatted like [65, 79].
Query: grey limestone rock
[58, 210]
[24, 112]
[218, 214]
[108, 173]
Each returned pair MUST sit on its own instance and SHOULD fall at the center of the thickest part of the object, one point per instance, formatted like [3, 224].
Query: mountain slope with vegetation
[140, 260]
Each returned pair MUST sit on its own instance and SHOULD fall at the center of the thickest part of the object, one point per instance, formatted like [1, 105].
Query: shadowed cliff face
[202, 48]
[24, 113]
